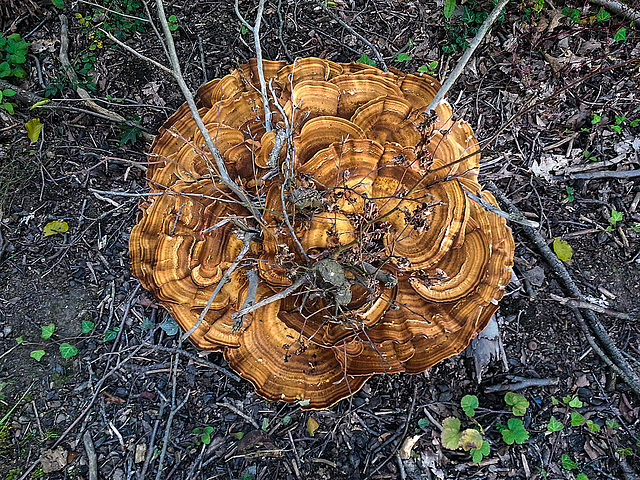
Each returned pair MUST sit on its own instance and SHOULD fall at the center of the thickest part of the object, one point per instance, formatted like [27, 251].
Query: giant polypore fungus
[392, 268]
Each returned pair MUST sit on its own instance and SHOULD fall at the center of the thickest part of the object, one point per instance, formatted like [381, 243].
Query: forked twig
[466, 56]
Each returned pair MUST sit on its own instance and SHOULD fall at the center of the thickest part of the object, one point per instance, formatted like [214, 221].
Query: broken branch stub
[369, 256]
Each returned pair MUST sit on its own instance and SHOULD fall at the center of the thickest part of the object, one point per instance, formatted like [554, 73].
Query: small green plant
[67, 350]
[472, 17]
[204, 434]
[617, 126]
[514, 432]
[569, 196]
[13, 54]
[554, 425]
[172, 21]
[518, 403]
[621, 34]
[111, 334]
[603, 15]
[430, 69]
[265, 424]
[572, 13]
[130, 134]
[587, 154]
[8, 106]
[366, 60]
[449, 7]
[403, 57]
[469, 403]
[596, 119]
[615, 217]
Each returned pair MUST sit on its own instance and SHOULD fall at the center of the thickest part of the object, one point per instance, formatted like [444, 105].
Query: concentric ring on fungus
[400, 269]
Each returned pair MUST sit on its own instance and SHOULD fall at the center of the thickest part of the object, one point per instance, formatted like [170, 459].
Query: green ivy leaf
[469, 403]
[478, 454]
[286, 420]
[449, 7]
[403, 57]
[554, 425]
[67, 350]
[575, 402]
[450, 433]
[576, 419]
[87, 326]
[265, 423]
[568, 463]
[581, 476]
[37, 354]
[517, 402]
[592, 426]
[613, 423]
[615, 217]
[58, 3]
[596, 119]
[423, 423]
[366, 60]
[515, 432]
[111, 334]
[47, 331]
[603, 15]
[621, 35]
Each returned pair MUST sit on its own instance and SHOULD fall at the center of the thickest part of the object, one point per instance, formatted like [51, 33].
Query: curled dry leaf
[399, 270]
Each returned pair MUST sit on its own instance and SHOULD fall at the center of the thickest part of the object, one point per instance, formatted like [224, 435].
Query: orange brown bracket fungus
[366, 257]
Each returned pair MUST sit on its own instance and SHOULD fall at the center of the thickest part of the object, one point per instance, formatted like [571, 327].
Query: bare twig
[571, 302]
[621, 9]
[277, 296]
[240, 413]
[174, 410]
[337, 18]
[92, 459]
[606, 174]
[255, 30]
[492, 208]
[466, 56]
[245, 248]
[217, 157]
[250, 299]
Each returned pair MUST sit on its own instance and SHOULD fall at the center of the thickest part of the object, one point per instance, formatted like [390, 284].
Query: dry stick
[177, 74]
[91, 455]
[245, 248]
[255, 30]
[196, 359]
[621, 9]
[174, 411]
[609, 349]
[373, 49]
[150, 449]
[592, 306]
[466, 56]
[606, 174]
[73, 78]
[492, 208]
[84, 412]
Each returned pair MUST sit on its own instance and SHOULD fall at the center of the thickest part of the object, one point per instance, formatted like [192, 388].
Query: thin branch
[492, 208]
[621, 9]
[255, 30]
[245, 248]
[278, 296]
[466, 56]
[571, 302]
[337, 18]
[250, 299]
[219, 161]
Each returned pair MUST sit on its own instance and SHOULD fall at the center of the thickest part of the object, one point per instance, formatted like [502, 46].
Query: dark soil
[120, 387]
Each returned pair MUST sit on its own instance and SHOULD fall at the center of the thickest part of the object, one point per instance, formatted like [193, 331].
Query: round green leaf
[37, 354]
[67, 350]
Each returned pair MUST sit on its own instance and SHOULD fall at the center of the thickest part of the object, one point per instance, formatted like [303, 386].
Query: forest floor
[98, 386]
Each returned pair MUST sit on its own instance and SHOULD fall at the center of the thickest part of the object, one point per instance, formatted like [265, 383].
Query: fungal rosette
[369, 256]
